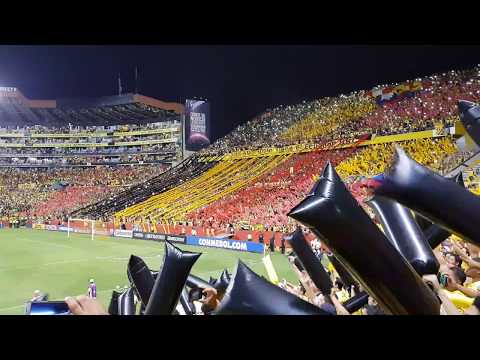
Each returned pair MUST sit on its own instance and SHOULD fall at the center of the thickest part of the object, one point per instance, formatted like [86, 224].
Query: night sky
[240, 81]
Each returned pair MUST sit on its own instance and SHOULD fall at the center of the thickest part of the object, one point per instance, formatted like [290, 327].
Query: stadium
[358, 204]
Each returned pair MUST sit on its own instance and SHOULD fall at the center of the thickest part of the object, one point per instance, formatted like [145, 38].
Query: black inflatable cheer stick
[222, 283]
[296, 261]
[435, 234]
[194, 281]
[405, 234]
[141, 278]
[113, 306]
[345, 276]
[310, 262]
[356, 302]
[336, 218]
[470, 117]
[433, 196]
[126, 302]
[188, 307]
[225, 276]
[250, 294]
[459, 179]
[171, 280]
[195, 294]
[421, 221]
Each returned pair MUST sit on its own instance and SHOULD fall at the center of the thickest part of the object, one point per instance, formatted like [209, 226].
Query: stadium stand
[53, 193]
[128, 129]
[375, 158]
[251, 177]
[472, 177]
[265, 202]
[59, 155]
[185, 171]
[56, 162]
[425, 106]
[220, 180]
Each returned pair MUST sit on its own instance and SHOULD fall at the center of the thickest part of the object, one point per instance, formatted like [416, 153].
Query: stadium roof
[83, 103]
[17, 110]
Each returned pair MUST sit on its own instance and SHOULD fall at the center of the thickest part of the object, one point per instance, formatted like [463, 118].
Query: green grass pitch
[51, 262]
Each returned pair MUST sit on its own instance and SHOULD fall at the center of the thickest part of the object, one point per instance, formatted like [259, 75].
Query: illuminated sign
[197, 124]
[8, 92]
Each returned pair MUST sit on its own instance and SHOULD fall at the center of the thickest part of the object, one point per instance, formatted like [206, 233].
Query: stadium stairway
[472, 162]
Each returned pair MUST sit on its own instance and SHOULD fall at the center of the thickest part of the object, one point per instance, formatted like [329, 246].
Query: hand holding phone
[443, 280]
[47, 308]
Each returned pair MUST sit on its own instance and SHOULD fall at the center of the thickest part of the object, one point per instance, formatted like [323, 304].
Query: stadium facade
[129, 129]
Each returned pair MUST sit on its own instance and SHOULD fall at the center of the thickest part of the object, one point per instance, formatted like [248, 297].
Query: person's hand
[459, 251]
[304, 276]
[210, 292]
[338, 306]
[319, 299]
[333, 291]
[433, 280]
[211, 297]
[83, 305]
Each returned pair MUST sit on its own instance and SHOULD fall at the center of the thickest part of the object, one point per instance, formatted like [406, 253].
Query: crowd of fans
[77, 129]
[350, 116]
[68, 150]
[39, 141]
[374, 159]
[184, 172]
[53, 193]
[80, 160]
[262, 131]
[471, 176]
[456, 286]
[457, 283]
[330, 121]
[213, 184]
[431, 107]
[267, 201]
[227, 194]
[85, 151]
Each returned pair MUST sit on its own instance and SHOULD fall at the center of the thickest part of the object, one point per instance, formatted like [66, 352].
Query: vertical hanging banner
[197, 124]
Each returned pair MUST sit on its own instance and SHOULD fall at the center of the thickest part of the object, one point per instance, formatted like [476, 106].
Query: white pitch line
[63, 262]
[73, 261]
[48, 243]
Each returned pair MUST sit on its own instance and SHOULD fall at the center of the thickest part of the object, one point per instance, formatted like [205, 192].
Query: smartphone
[443, 280]
[47, 308]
